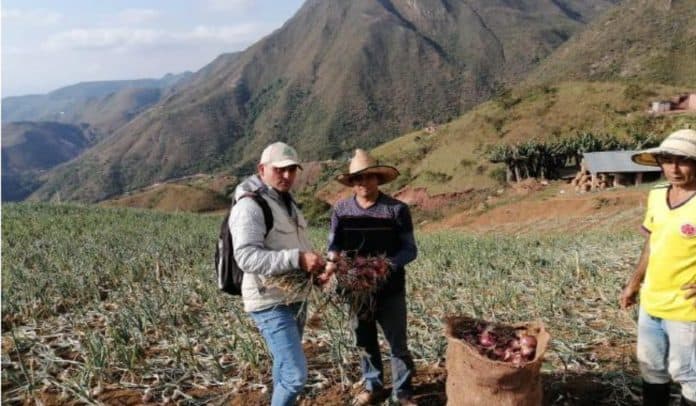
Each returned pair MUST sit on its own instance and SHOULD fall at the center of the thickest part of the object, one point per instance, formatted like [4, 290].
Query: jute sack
[473, 379]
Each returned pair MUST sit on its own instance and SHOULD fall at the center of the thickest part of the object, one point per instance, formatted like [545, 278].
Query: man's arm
[248, 231]
[407, 250]
[334, 243]
[630, 292]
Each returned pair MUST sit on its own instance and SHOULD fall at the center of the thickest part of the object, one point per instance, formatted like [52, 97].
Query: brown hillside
[173, 198]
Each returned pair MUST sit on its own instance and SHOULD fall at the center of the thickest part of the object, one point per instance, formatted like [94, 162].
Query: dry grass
[173, 198]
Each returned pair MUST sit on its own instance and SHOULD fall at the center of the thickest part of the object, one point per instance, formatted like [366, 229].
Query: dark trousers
[390, 313]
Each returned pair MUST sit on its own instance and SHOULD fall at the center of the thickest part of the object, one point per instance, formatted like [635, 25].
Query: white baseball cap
[279, 155]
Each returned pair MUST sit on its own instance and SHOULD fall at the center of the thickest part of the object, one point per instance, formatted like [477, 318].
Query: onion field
[119, 306]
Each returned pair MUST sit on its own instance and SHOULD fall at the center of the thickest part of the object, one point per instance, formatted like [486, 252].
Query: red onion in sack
[501, 343]
[528, 346]
[528, 341]
[508, 354]
[487, 339]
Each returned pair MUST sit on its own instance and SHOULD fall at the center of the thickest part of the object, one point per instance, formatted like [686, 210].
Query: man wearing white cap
[262, 253]
[372, 223]
[665, 275]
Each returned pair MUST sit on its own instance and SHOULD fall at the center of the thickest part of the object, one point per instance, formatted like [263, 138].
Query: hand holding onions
[356, 274]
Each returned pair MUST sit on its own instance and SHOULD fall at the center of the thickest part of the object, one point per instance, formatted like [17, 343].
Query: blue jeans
[390, 313]
[667, 350]
[282, 327]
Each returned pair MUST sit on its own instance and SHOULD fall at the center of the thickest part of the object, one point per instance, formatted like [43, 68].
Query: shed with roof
[613, 169]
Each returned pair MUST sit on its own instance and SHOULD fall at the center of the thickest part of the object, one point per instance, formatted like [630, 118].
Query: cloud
[137, 15]
[31, 16]
[235, 33]
[15, 50]
[128, 38]
[102, 38]
[236, 6]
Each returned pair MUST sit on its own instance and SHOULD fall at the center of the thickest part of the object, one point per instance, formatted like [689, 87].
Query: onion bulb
[487, 339]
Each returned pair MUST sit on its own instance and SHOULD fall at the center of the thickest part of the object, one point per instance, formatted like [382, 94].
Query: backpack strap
[267, 213]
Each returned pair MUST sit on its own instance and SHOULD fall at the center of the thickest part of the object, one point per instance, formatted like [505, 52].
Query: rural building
[689, 102]
[660, 107]
[682, 103]
[612, 169]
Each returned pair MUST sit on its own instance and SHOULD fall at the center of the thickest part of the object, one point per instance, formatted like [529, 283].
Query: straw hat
[362, 163]
[680, 143]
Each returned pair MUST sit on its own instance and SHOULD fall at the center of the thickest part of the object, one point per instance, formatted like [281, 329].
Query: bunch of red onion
[501, 343]
[354, 274]
[345, 279]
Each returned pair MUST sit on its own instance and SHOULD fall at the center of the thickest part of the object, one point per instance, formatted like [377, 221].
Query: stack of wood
[583, 181]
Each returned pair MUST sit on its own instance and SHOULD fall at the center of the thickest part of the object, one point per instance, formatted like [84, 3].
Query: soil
[429, 388]
[556, 207]
[419, 198]
[569, 388]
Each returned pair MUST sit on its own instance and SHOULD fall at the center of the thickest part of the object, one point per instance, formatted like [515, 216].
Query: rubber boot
[655, 394]
[687, 402]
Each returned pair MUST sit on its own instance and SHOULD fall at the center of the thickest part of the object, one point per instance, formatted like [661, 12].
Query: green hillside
[452, 158]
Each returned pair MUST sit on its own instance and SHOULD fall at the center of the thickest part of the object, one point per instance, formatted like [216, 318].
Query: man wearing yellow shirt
[667, 272]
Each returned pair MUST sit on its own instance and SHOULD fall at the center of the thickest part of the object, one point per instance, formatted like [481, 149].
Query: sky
[50, 44]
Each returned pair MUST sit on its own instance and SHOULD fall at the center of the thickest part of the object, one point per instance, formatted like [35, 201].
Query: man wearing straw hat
[371, 223]
[665, 275]
[262, 253]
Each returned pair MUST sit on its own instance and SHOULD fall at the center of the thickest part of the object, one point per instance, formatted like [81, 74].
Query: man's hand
[311, 261]
[630, 292]
[628, 296]
[690, 289]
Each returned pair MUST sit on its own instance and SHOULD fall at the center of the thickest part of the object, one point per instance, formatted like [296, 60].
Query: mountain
[30, 148]
[601, 81]
[640, 40]
[104, 106]
[337, 75]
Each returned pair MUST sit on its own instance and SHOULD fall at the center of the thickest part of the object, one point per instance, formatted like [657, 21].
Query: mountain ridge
[100, 106]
